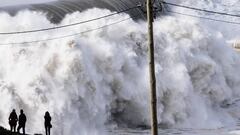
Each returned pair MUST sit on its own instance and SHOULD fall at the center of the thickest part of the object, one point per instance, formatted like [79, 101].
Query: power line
[71, 35]
[206, 18]
[201, 17]
[68, 25]
[203, 10]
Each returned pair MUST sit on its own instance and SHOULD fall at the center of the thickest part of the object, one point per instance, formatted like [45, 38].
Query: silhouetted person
[47, 123]
[21, 122]
[13, 120]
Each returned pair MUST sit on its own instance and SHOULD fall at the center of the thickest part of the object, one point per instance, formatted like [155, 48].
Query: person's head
[21, 111]
[47, 113]
[13, 110]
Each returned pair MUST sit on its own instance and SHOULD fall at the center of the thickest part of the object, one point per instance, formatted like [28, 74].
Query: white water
[99, 80]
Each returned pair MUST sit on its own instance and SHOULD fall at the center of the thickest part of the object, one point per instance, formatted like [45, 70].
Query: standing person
[13, 120]
[47, 123]
[22, 122]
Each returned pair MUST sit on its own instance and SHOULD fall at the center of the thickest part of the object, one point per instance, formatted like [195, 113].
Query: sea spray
[99, 79]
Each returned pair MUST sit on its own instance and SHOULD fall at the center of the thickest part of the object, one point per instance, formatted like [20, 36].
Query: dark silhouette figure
[13, 120]
[47, 123]
[22, 122]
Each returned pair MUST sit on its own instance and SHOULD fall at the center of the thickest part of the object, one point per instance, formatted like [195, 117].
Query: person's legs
[49, 130]
[23, 129]
[18, 129]
[46, 130]
[11, 128]
[14, 128]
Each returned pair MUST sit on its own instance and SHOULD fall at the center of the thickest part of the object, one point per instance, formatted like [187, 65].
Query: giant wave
[93, 81]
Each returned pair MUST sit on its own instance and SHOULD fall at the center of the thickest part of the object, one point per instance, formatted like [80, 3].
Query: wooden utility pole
[153, 99]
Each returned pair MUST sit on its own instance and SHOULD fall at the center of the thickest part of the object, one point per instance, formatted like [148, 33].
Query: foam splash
[100, 79]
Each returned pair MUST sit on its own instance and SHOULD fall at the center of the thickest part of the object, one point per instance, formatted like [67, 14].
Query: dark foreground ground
[4, 131]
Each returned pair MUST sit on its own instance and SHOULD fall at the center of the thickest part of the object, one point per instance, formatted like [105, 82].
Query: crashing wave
[100, 79]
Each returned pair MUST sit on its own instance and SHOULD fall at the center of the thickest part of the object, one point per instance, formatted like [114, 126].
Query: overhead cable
[199, 9]
[200, 17]
[68, 25]
[71, 35]
[206, 18]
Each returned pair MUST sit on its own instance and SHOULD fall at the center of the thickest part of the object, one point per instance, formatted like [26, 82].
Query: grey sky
[20, 2]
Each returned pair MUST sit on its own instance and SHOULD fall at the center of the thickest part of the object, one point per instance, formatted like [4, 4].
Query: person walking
[47, 123]
[22, 122]
[13, 120]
